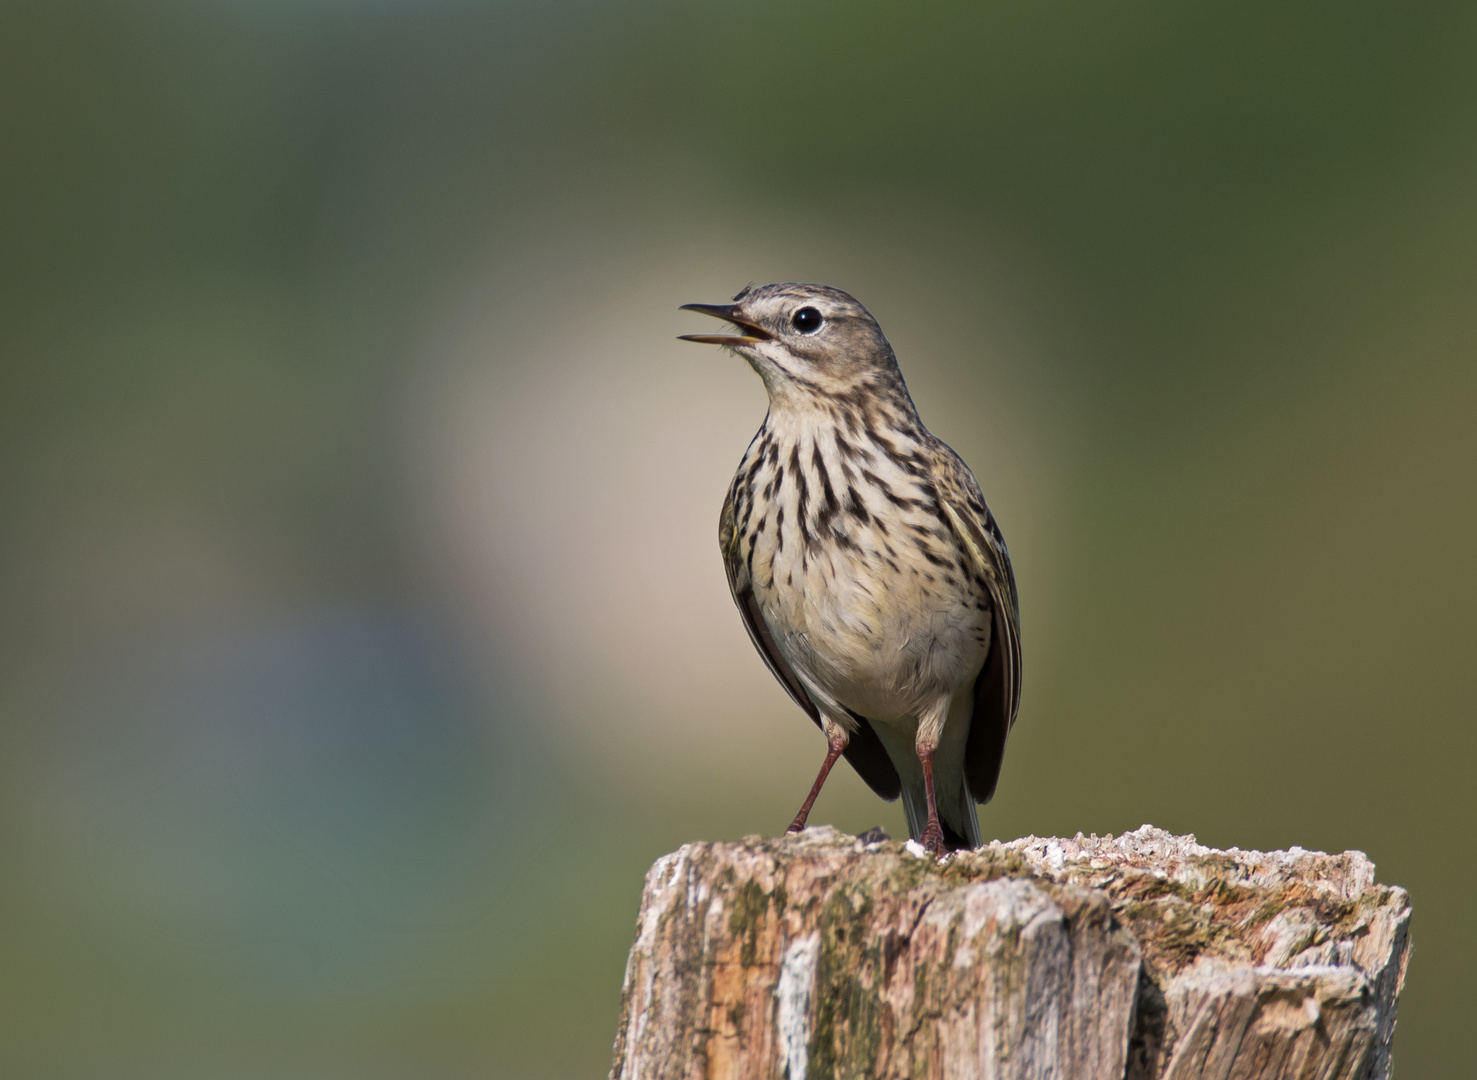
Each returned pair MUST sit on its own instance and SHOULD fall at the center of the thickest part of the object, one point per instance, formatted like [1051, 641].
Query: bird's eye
[807, 320]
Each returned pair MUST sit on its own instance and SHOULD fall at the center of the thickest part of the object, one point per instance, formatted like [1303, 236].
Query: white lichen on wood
[795, 992]
[1143, 956]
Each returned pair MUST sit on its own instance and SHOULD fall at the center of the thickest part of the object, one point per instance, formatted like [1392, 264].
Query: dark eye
[807, 320]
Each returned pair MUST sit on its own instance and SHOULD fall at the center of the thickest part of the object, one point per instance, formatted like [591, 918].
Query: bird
[869, 572]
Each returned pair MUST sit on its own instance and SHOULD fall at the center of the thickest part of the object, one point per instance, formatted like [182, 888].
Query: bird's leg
[930, 734]
[836, 739]
[933, 833]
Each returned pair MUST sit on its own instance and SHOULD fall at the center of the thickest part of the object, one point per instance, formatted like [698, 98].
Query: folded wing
[997, 690]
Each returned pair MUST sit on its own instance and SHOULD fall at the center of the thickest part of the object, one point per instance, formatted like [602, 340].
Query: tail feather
[969, 818]
[915, 808]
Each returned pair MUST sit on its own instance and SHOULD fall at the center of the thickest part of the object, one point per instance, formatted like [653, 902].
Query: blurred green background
[362, 631]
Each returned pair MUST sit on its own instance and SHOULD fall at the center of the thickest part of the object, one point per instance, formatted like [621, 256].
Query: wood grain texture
[1144, 956]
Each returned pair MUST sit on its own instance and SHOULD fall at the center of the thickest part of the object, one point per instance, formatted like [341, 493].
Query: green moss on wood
[746, 911]
[848, 1021]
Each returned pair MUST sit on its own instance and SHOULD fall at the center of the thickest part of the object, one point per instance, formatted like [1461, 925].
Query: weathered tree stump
[1145, 956]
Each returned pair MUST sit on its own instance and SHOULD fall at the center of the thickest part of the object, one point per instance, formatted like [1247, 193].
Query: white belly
[884, 644]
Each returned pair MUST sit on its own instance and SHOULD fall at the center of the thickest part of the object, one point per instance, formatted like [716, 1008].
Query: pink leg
[837, 739]
[933, 833]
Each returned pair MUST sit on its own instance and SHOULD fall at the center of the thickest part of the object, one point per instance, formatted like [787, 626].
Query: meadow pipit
[868, 570]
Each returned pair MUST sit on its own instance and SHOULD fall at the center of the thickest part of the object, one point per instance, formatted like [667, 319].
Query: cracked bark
[1142, 957]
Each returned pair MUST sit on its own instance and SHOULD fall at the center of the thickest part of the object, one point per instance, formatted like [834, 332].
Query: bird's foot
[933, 840]
[796, 826]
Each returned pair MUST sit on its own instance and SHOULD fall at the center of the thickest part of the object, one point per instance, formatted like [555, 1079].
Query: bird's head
[806, 342]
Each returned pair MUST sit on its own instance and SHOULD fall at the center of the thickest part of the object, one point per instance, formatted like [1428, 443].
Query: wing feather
[997, 689]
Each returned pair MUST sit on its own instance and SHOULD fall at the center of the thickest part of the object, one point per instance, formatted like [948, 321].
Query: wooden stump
[1145, 956]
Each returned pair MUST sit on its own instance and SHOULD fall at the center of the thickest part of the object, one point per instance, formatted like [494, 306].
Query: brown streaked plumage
[867, 568]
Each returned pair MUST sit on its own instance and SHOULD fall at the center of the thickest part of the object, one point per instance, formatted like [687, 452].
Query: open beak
[752, 333]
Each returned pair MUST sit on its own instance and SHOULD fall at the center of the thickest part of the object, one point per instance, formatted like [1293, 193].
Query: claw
[933, 840]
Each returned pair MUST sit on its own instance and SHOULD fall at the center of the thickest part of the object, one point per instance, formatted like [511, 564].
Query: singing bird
[868, 570]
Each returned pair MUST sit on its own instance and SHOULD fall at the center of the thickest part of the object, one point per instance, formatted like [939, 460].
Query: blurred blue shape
[312, 804]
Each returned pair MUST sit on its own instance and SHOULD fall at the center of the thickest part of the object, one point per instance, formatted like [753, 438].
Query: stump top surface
[1186, 902]
[1348, 875]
